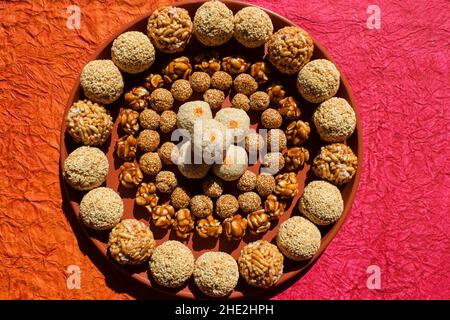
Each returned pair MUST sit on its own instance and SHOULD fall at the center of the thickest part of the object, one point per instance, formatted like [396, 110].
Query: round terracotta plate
[292, 270]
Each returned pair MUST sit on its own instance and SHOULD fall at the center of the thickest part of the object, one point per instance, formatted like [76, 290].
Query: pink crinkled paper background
[400, 79]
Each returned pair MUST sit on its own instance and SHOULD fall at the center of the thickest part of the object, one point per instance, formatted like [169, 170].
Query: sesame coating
[234, 164]
[210, 138]
[101, 209]
[200, 81]
[216, 273]
[273, 162]
[148, 140]
[321, 202]
[168, 121]
[149, 119]
[180, 198]
[214, 98]
[276, 140]
[236, 121]
[181, 90]
[133, 52]
[265, 184]
[335, 120]
[201, 206]
[240, 101]
[247, 181]
[226, 206]
[318, 80]
[131, 242]
[212, 187]
[150, 163]
[171, 264]
[166, 181]
[253, 142]
[259, 101]
[187, 163]
[167, 152]
[249, 201]
[101, 81]
[221, 80]
[271, 119]
[161, 99]
[298, 238]
[192, 111]
[289, 49]
[252, 27]
[213, 23]
[86, 168]
[245, 84]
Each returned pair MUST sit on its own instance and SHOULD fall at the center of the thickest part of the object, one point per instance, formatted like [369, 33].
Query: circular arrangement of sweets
[212, 143]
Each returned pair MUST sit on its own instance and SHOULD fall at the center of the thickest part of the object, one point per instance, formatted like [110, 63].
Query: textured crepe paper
[399, 76]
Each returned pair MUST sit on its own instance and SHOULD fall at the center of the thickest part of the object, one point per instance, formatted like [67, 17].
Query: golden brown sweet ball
[161, 99]
[245, 84]
[221, 80]
[271, 119]
[240, 101]
[289, 49]
[101, 81]
[216, 273]
[131, 242]
[150, 163]
[318, 80]
[321, 202]
[168, 121]
[171, 264]
[226, 206]
[101, 209]
[170, 29]
[180, 198]
[86, 168]
[213, 23]
[335, 120]
[181, 90]
[148, 140]
[149, 119]
[200, 81]
[89, 123]
[252, 27]
[168, 152]
[298, 239]
[214, 98]
[133, 52]
[261, 264]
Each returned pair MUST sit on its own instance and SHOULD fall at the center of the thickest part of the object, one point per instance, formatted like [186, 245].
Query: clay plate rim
[287, 279]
